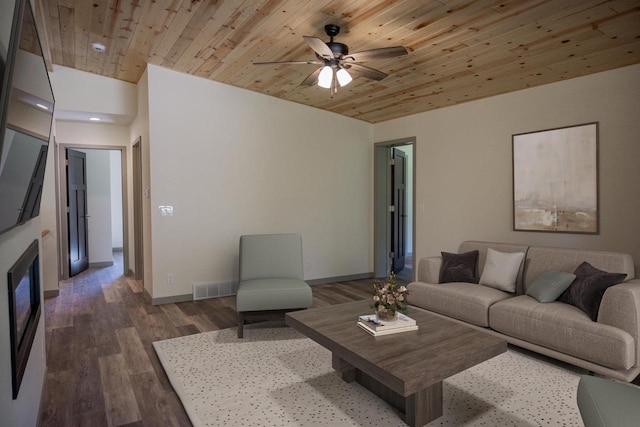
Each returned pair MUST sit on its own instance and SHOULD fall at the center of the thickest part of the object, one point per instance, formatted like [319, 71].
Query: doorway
[394, 213]
[94, 232]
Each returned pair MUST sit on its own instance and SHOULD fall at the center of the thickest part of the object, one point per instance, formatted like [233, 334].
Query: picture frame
[555, 180]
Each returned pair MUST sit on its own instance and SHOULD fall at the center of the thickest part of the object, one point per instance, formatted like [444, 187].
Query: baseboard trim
[100, 264]
[42, 395]
[321, 281]
[349, 277]
[172, 299]
[52, 294]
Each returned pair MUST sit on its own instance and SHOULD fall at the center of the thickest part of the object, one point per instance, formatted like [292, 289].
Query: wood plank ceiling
[459, 50]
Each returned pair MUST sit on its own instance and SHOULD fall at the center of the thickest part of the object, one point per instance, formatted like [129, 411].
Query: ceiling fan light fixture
[325, 77]
[344, 78]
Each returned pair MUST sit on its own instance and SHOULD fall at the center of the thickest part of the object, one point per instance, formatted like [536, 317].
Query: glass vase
[387, 316]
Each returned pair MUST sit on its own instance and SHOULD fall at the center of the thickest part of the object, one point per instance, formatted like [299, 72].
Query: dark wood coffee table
[405, 369]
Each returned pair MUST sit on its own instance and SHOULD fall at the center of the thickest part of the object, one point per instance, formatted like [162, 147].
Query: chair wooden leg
[240, 325]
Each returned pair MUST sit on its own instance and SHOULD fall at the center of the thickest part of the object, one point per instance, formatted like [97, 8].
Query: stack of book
[371, 324]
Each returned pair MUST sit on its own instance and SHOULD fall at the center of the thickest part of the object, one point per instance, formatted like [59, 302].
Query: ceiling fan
[337, 64]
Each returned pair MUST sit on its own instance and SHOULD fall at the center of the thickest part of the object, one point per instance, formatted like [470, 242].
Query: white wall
[464, 181]
[235, 162]
[115, 171]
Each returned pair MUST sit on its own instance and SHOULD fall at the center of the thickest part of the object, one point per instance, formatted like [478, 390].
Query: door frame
[381, 196]
[61, 198]
[138, 217]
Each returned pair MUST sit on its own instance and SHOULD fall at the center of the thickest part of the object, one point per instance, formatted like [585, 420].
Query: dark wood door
[399, 213]
[77, 212]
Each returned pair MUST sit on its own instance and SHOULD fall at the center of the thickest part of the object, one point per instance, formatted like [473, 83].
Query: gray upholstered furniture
[271, 277]
[609, 346]
[606, 403]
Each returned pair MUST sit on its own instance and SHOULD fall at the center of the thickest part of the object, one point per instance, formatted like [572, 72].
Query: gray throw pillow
[459, 267]
[550, 285]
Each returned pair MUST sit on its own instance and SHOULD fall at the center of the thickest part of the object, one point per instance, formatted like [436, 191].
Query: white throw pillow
[501, 270]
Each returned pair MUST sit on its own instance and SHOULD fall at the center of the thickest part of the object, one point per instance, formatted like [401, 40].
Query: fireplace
[24, 310]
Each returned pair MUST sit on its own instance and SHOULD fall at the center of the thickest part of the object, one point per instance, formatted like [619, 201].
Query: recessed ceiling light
[95, 119]
[98, 47]
[44, 107]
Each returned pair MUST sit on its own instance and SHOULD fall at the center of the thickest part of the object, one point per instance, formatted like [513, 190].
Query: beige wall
[95, 134]
[140, 129]
[235, 162]
[464, 182]
[48, 221]
[81, 91]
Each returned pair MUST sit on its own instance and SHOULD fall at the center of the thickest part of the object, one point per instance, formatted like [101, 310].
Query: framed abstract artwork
[555, 180]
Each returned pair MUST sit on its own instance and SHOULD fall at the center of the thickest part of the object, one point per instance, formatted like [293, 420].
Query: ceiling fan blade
[289, 62]
[362, 71]
[381, 53]
[319, 47]
[312, 78]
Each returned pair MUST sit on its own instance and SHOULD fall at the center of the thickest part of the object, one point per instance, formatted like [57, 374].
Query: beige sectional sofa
[609, 346]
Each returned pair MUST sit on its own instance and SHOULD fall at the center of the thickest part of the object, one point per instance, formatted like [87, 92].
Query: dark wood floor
[101, 367]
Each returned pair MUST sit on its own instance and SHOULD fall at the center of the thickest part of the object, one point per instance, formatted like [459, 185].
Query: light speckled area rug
[277, 377]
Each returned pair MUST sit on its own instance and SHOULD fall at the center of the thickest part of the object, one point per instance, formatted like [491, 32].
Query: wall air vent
[213, 290]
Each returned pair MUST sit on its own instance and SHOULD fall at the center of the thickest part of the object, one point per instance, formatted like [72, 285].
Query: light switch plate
[166, 210]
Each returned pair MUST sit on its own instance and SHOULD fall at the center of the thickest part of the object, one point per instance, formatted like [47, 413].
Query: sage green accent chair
[271, 276]
[606, 403]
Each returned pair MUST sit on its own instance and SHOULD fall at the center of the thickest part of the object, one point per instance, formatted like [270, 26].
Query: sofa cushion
[563, 328]
[464, 301]
[459, 267]
[276, 294]
[501, 270]
[540, 259]
[550, 285]
[587, 290]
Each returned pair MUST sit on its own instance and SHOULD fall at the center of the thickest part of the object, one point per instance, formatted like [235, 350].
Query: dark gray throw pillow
[459, 267]
[587, 290]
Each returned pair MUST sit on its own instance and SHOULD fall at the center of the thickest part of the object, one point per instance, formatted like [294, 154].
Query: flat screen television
[26, 114]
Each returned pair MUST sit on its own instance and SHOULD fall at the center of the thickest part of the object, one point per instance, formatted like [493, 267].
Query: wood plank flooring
[101, 367]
